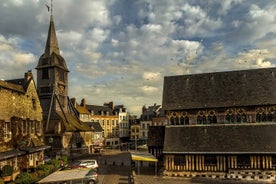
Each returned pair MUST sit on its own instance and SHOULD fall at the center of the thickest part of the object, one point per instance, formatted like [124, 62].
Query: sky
[121, 50]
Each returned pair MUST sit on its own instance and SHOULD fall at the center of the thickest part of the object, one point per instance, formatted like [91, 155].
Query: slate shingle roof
[220, 89]
[98, 109]
[231, 138]
[16, 85]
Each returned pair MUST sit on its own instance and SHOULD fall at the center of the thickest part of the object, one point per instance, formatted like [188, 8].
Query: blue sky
[120, 50]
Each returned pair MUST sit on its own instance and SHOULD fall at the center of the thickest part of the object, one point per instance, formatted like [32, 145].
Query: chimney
[83, 102]
[28, 75]
[144, 109]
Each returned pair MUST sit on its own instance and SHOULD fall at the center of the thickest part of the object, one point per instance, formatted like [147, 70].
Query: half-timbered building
[222, 124]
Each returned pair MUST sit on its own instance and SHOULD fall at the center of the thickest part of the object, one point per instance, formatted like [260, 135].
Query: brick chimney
[28, 75]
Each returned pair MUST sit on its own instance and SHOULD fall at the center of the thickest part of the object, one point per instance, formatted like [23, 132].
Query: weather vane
[50, 7]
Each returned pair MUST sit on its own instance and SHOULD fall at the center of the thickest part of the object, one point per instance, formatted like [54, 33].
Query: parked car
[85, 163]
[46, 159]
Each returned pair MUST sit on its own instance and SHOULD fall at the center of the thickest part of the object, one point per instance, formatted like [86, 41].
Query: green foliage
[24, 178]
[55, 163]
[65, 159]
[46, 168]
[7, 170]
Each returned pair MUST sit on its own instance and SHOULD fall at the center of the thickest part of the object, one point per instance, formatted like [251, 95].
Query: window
[34, 104]
[38, 127]
[45, 73]
[32, 123]
[7, 130]
[24, 127]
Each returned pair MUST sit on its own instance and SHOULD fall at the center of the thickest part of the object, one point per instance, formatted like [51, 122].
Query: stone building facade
[221, 124]
[21, 127]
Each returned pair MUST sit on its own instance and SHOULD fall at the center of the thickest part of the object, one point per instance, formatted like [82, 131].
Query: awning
[10, 154]
[143, 156]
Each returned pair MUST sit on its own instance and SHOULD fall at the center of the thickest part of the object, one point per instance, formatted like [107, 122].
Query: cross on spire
[50, 7]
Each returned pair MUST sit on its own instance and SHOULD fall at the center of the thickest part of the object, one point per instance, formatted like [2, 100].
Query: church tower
[52, 76]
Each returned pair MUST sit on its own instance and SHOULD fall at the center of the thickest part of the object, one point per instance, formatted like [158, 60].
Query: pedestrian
[61, 164]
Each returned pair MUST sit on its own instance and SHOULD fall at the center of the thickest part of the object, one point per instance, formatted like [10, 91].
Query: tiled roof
[220, 89]
[225, 138]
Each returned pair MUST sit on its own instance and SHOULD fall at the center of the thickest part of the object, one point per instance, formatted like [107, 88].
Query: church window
[263, 117]
[269, 117]
[258, 117]
[45, 73]
[210, 160]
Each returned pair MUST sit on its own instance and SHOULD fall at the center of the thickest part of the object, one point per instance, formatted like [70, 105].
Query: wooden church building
[64, 132]
[222, 124]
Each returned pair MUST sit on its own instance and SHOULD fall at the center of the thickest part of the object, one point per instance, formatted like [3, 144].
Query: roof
[82, 109]
[96, 126]
[14, 85]
[223, 138]
[220, 89]
[156, 136]
[59, 176]
[11, 154]
[71, 123]
[97, 110]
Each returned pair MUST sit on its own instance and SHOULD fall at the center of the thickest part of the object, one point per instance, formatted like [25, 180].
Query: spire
[52, 42]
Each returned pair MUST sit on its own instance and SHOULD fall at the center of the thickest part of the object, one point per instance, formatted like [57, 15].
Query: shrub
[7, 170]
[24, 178]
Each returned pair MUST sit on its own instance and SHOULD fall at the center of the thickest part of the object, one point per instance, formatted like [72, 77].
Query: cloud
[121, 50]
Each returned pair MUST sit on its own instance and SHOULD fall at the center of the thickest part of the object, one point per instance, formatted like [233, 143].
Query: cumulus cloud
[121, 50]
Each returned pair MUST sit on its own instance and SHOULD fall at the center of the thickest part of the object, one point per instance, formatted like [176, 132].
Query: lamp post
[51, 140]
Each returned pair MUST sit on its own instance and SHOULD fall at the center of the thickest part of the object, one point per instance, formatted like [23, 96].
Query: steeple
[52, 42]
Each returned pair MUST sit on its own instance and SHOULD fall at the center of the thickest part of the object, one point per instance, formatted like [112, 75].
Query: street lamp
[51, 140]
